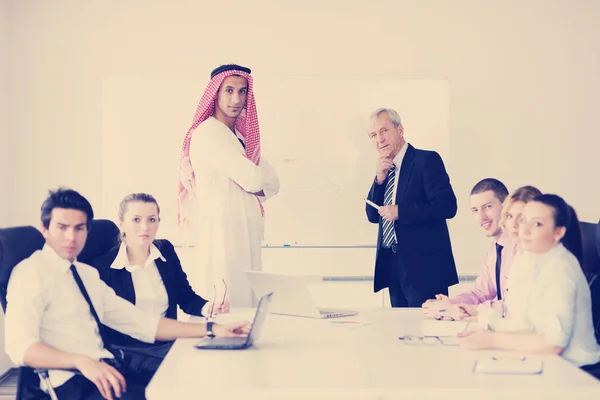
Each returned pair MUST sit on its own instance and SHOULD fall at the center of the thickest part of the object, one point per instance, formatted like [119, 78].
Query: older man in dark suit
[414, 254]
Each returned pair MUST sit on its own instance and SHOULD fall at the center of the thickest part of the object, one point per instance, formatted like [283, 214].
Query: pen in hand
[466, 326]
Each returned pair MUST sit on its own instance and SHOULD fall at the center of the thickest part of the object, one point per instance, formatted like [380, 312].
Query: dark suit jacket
[179, 291]
[425, 200]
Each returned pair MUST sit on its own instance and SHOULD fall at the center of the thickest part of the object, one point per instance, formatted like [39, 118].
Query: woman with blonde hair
[512, 209]
[147, 272]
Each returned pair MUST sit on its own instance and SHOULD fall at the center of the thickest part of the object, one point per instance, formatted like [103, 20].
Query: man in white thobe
[223, 182]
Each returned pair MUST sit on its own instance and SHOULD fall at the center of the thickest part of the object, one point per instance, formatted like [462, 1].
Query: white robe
[228, 221]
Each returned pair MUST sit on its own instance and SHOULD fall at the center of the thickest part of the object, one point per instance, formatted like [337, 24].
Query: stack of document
[508, 365]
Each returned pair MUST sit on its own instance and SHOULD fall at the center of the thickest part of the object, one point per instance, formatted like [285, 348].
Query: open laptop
[236, 343]
[290, 295]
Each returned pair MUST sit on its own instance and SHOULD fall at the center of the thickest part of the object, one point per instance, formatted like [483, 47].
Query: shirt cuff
[148, 329]
[17, 352]
[553, 334]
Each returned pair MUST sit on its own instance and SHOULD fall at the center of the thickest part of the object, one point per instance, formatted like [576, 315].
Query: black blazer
[179, 290]
[425, 200]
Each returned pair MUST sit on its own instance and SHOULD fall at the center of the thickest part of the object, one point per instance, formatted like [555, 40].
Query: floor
[8, 385]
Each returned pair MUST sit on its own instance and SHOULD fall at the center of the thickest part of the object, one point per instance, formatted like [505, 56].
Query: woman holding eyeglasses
[148, 273]
[551, 310]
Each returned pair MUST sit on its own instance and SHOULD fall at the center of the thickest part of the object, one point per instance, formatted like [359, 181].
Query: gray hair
[394, 116]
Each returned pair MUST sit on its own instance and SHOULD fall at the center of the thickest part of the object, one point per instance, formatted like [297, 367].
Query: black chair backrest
[594, 282]
[590, 236]
[103, 236]
[16, 244]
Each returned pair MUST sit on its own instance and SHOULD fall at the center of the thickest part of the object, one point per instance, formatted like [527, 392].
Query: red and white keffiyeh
[246, 123]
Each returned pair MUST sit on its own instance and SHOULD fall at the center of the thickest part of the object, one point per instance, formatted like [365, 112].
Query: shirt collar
[540, 259]
[504, 240]
[122, 261]
[400, 156]
[55, 260]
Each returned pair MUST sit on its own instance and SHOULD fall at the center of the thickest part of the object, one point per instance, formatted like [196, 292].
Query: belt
[393, 248]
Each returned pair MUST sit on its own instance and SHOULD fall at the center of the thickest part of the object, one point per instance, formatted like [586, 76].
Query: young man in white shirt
[56, 305]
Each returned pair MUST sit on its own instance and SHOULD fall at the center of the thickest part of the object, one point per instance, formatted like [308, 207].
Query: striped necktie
[389, 236]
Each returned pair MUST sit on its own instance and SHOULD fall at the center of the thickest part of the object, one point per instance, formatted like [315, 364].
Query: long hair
[565, 215]
[524, 194]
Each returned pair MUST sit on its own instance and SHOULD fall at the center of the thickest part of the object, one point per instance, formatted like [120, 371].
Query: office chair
[590, 235]
[102, 237]
[17, 244]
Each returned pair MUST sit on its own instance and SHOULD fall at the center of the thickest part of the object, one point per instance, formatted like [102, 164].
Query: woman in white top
[509, 222]
[550, 309]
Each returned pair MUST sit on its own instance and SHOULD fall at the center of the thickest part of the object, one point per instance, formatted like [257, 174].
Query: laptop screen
[259, 317]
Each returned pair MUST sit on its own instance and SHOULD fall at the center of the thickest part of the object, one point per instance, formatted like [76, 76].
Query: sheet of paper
[508, 365]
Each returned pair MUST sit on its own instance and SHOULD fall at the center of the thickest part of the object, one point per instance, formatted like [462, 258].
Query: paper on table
[508, 365]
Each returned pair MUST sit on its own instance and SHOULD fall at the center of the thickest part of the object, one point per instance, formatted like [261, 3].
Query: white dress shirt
[228, 222]
[150, 293]
[398, 163]
[549, 295]
[45, 305]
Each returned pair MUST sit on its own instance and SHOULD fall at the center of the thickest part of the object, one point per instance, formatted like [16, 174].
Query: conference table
[358, 357]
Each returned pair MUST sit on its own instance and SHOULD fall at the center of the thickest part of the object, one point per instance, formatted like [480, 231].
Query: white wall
[4, 114]
[5, 363]
[524, 81]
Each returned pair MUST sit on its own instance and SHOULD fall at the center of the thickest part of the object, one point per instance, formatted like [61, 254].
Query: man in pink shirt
[486, 206]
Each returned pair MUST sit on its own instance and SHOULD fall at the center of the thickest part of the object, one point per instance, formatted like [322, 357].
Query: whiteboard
[314, 132]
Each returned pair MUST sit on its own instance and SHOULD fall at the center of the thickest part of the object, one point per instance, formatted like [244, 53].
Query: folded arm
[210, 147]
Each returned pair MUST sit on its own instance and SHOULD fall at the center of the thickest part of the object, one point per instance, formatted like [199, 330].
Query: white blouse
[549, 294]
[150, 293]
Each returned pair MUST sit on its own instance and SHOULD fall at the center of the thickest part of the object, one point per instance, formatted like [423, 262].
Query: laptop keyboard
[330, 314]
[228, 341]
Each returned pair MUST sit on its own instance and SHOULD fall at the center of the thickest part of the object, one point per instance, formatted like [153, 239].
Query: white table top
[308, 358]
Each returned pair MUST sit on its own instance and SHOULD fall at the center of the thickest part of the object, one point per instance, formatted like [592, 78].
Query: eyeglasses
[426, 340]
[212, 308]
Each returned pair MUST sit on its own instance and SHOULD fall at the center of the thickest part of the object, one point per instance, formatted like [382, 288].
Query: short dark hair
[69, 199]
[499, 189]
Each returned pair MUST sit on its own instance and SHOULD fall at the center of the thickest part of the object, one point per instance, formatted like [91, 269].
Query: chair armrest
[45, 370]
